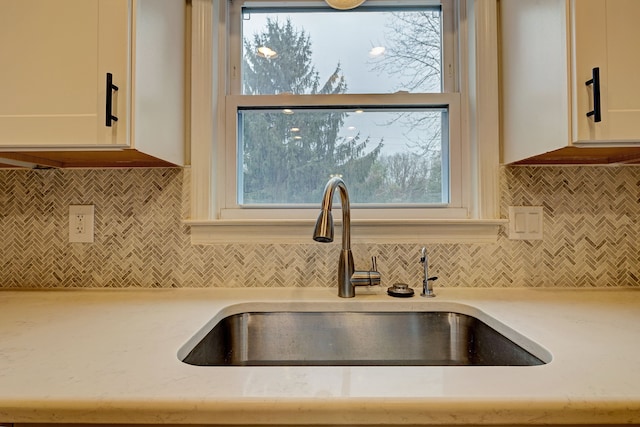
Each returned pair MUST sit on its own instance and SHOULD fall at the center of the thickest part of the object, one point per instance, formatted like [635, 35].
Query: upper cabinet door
[55, 59]
[606, 36]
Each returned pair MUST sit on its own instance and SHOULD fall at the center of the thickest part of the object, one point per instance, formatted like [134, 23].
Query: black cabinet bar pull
[595, 81]
[110, 89]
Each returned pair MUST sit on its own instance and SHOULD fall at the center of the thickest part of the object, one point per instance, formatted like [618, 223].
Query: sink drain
[401, 290]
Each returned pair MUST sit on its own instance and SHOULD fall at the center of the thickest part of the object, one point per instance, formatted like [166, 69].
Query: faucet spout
[323, 231]
[348, 278]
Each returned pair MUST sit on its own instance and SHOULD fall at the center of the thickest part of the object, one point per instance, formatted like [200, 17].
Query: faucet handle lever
[367, 278]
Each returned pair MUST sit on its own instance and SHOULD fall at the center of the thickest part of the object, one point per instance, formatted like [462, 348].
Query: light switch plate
[525, 222]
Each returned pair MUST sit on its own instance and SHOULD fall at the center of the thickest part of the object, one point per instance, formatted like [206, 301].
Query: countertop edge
[329, 412]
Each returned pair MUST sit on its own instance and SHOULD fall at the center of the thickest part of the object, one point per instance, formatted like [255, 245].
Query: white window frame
[472, 218]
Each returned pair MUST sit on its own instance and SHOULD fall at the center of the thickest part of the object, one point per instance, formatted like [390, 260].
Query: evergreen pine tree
[287, 158]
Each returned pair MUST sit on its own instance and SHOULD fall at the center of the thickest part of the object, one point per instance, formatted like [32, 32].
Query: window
[379, 95]
[301, 115]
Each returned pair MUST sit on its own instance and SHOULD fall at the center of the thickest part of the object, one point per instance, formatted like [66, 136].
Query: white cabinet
[56, 59]
[607, 38]
[550, 49]
[55, 56]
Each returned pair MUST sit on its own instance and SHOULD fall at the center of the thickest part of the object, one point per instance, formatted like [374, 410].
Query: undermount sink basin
[356, 339]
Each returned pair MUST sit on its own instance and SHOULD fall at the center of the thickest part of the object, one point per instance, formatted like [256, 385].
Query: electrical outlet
[81, 218]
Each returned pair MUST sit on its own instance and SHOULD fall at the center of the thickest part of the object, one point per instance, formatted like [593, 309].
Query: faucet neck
[327, 202]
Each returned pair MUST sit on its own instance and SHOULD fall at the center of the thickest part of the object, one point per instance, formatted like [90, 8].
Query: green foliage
[291, 71]
[285, 166]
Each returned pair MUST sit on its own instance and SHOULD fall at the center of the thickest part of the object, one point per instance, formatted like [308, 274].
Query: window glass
[386, 155]
[320, 51]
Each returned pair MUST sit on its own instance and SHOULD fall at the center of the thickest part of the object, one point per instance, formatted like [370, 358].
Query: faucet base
[345, 271]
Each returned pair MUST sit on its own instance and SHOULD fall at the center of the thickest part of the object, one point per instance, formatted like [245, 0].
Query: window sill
[362, 231]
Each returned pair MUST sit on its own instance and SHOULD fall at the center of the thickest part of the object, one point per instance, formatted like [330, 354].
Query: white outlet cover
[87, 212]
[525, 222]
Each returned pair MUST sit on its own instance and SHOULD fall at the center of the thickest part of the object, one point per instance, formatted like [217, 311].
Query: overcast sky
[334, 39]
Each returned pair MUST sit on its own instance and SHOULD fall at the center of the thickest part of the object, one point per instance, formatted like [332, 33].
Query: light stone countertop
[111, 356]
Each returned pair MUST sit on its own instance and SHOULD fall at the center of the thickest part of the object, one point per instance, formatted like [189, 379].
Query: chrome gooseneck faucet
[348, 277]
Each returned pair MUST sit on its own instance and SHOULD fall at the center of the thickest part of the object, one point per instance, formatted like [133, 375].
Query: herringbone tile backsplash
[591, 236]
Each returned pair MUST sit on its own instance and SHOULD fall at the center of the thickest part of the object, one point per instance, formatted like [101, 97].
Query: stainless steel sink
[356, 339]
